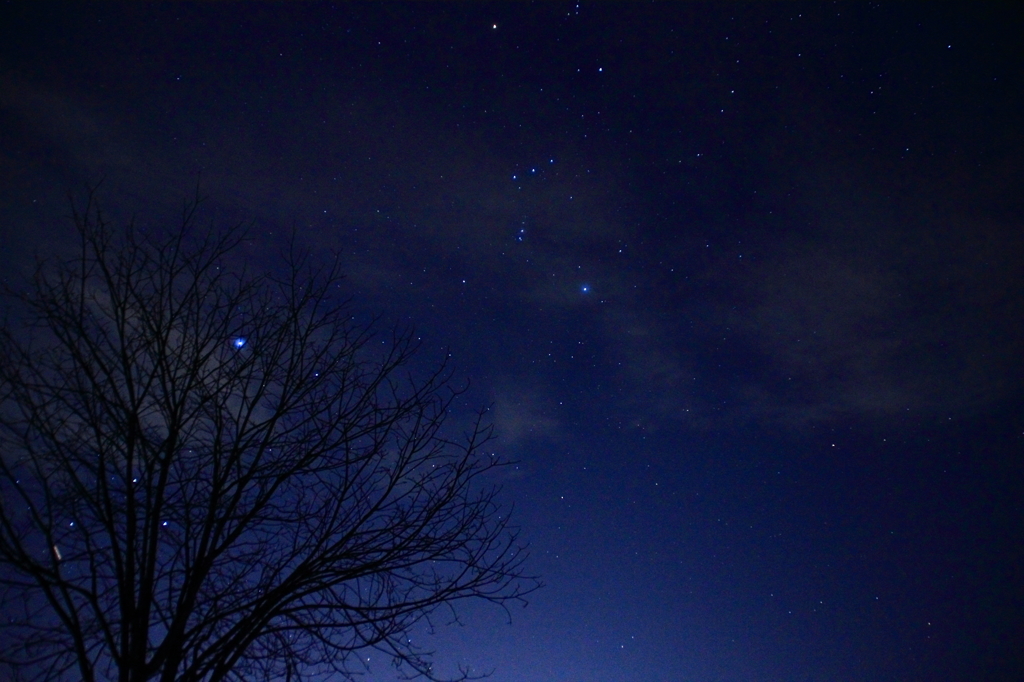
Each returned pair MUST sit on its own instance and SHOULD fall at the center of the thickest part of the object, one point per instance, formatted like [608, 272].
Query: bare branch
[209, 475]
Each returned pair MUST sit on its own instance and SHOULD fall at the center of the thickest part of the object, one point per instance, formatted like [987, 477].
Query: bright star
[239, 342]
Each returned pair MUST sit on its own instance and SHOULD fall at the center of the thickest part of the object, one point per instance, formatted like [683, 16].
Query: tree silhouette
[208, 475]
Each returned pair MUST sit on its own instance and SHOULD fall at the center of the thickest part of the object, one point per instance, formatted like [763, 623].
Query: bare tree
[207, 475]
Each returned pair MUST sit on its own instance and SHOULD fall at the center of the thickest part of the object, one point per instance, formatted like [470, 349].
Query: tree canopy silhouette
[211, 475]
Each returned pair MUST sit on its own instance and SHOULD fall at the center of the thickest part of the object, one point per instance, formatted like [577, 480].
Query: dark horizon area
[742, 285]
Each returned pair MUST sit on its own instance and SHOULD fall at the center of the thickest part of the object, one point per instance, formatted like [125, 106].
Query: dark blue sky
[743, 285]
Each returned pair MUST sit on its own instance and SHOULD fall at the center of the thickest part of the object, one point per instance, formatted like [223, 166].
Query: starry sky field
[742, 284]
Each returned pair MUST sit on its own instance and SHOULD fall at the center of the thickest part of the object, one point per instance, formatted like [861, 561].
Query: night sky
[743, 286]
